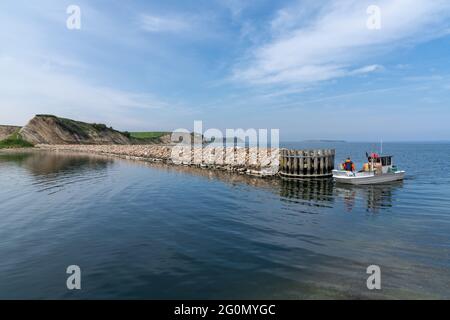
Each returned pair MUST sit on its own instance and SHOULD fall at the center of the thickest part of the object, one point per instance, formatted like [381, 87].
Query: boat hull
[365, 179]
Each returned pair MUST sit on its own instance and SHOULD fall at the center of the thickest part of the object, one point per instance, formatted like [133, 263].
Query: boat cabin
[386, 163]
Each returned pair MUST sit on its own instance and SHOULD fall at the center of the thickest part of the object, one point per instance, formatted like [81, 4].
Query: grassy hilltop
[149, 134]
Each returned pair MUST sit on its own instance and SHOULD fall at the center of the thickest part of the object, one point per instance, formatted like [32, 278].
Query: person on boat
[378, 167]
[366, 167]
[349, 165]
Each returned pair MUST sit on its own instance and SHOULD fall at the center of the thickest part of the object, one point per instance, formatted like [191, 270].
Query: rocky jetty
[248, 160]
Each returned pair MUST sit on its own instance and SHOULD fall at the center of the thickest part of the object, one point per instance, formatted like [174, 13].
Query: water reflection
[318, 191]
[54, 172]
[49, 167]
[375, 197]
[47, 164]
[315, 192]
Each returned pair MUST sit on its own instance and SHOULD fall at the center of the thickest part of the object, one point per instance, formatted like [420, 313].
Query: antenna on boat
[381, 151]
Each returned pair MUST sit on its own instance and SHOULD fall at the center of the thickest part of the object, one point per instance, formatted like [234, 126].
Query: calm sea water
[151, 231]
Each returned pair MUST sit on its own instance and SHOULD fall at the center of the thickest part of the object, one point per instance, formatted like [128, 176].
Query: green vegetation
[79, 128]
[14, 141]
[148, 135]
[74, 127]
[46, 115]
[100, 127]
[82, 128]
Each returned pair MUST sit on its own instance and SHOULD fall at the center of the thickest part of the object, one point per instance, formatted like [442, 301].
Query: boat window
[386, 161]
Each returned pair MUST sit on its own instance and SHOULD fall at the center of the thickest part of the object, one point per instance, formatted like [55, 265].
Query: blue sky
[309, 68]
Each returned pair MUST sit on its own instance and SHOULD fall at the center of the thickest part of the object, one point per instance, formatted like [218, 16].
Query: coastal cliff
[7, 131]
[48, 129]
[53, 130]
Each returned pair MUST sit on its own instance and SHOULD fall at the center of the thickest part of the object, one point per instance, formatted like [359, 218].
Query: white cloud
[28, 88]
[153, 23]
[335, 42]
[189, 26]
[367, 69]
[297, 15]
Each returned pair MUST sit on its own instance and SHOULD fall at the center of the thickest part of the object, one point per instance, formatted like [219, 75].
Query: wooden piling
[302, 163]
[306, 163]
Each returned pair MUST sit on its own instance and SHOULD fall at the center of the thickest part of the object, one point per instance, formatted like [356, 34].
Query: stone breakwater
[248, 160]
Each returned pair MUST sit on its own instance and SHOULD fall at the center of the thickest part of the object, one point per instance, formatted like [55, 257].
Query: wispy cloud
[336, 42]
[25, 87]
[367, 69]
[235, 7]
[153, 23]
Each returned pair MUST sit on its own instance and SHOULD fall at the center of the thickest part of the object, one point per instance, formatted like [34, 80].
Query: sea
[139, 230]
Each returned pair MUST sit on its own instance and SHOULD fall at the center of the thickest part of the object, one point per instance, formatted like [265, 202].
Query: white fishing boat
[381, 169]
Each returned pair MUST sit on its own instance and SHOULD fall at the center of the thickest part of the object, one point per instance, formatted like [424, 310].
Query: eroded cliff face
[47, 129]
[6, 131]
